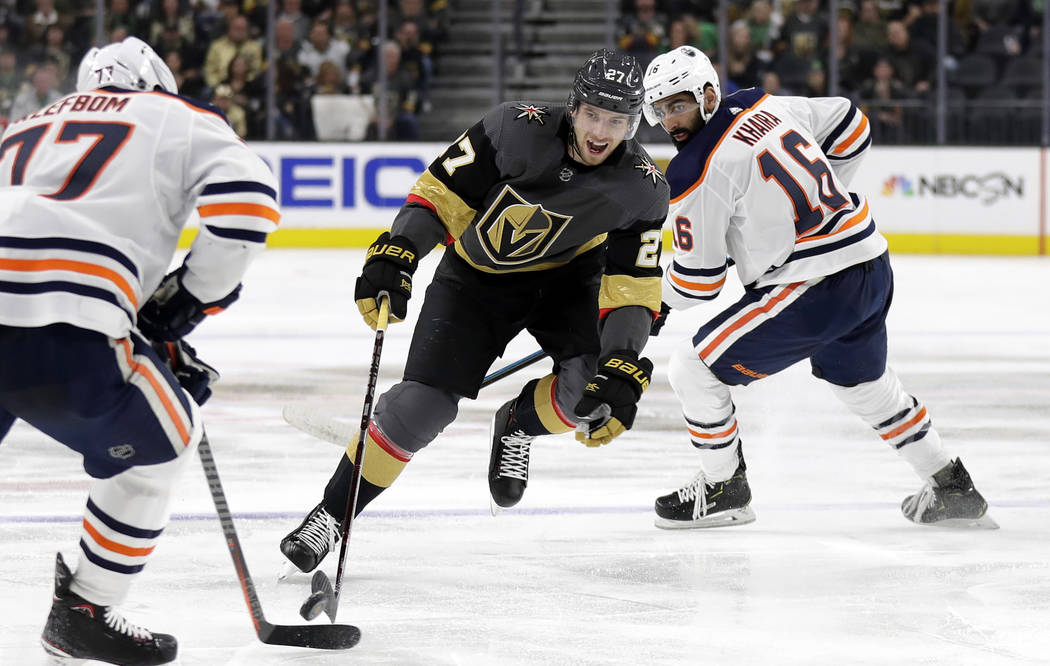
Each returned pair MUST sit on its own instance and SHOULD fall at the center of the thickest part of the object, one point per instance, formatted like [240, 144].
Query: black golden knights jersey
[510, 199]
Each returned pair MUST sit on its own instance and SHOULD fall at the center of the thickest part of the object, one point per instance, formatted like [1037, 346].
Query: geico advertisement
[953, 190]
[911, 190]
[344, 184]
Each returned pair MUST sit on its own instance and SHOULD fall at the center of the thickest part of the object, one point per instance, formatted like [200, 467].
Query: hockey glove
[610, 399]
[172, 311]
[660, 319]
[389, 265]
[194, 375]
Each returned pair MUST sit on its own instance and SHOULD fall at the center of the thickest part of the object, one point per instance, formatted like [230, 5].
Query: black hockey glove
[194, 375]
[389, 265]
[172, 311]
[610, 400]
[660, 319]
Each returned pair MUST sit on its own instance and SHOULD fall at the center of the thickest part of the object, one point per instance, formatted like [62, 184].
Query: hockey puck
[314, 604]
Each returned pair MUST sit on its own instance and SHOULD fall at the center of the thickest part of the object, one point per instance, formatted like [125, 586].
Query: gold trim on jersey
[618, 291]
[589, 245]
[454, 213]
[381, 467]
[546, 410]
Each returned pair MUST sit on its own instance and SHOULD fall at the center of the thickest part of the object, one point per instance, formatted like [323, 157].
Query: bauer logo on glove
[389, 265]
[609, 403]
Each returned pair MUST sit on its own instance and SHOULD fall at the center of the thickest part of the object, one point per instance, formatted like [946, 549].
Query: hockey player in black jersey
[551, 215]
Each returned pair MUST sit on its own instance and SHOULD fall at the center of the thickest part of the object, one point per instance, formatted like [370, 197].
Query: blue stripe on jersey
[831, 247]
[693, 296]
[59, 285]
[239, 186]
[837, 217]
[685, 167]
[106, 564]
[836, 133]
[861, 149]
[114, 524]
[54, 243]
[703, 272]
[237, 234]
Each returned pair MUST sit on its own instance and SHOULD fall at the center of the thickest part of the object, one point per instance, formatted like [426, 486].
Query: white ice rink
[830, 573]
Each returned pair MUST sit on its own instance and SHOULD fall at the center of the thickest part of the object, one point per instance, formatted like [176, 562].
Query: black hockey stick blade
[321, 597]
[316, 636]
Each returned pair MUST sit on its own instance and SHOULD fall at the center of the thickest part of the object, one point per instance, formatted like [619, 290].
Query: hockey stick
[323, 637]
[325, 596]
[318, 424]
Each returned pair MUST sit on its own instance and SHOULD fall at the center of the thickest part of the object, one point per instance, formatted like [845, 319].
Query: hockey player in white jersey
[94, 191]
[761, 182]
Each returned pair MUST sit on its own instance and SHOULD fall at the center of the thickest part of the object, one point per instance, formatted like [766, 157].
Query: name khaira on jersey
[514, 231]
[755, 127]
[91, 103]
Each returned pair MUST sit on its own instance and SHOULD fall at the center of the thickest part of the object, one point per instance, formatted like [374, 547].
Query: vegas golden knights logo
[514, 231]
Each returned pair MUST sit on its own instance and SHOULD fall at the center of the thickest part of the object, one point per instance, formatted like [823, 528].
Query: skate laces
[696, 492]
[514, 455]
[120, 624]
[319, 533]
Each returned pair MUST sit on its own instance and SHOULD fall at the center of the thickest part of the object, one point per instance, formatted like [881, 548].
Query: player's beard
[685, 134]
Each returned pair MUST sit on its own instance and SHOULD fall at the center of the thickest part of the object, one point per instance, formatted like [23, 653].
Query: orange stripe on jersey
[901, 428]
[729, 130]
[717, 435]
[32, 265]
[697, 286]
[146, 372]
[253, 210]
[113, 546]
[861, 215]
[849, 140]
[748, 317]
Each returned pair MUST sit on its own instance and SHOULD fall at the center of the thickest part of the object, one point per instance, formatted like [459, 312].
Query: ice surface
[830, 573]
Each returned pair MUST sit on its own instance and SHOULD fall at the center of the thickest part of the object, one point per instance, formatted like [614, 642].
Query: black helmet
[610, 81]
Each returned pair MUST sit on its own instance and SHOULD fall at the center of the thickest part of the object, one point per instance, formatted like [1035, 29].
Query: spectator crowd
[216, 49]
[885, 51]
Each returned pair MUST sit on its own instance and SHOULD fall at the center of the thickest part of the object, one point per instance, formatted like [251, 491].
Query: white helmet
[127, 64]
[686, 69]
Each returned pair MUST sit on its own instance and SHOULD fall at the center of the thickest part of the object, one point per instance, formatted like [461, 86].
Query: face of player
[597, 133]
[680, 116]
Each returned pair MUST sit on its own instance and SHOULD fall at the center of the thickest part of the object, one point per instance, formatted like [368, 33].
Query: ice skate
[308, 544]
[949, 500]
[79, 629]
[509, 460]
[704, 503]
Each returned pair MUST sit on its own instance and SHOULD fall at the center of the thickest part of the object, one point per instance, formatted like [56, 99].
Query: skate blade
[741, 516]
[985, 522]
[494, 508]
[287, 570]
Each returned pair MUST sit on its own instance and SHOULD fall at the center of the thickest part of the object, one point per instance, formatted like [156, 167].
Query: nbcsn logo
[898, 185]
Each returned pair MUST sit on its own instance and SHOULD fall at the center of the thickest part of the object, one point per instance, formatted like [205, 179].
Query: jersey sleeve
[235, 195]
[455, 184]
[699, 222]
[632, 268]
[841, 128]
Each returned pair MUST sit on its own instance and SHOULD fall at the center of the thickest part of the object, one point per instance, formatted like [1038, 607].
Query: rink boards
[952, 200]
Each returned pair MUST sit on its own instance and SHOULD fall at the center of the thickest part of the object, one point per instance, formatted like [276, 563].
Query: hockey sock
[383, 462]
[124, 517]
[536, 409]
[899, 419]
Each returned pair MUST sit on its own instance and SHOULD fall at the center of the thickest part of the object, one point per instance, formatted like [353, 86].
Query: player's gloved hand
[389, 265]
[172, 311]
[610, 400]
[660, 319]
[194, 375]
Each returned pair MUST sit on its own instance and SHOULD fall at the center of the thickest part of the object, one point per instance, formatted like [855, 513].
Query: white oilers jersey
[94, 191]
[764, 186]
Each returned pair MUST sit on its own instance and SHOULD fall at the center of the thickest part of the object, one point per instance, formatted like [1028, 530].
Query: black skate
[703, 503]
[307, 545]
[509, 460]
[949, 500]
[79, 629]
